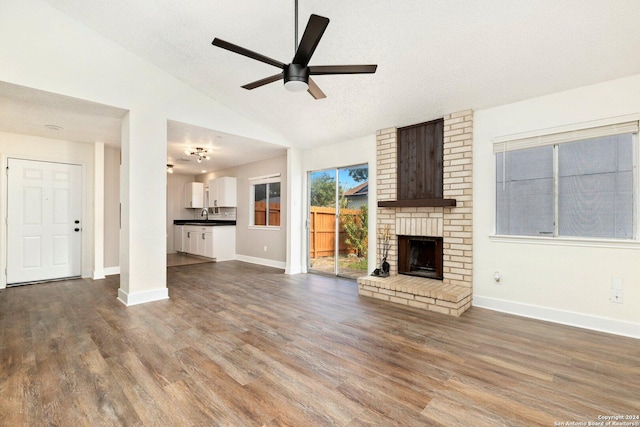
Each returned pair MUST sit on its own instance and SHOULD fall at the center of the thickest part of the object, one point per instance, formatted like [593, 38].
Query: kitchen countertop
[207, 222]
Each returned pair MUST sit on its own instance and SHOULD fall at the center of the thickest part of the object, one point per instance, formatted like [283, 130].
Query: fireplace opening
[420, 256]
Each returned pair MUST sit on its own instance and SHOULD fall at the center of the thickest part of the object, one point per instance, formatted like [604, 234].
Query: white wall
[52, 150]
[348, 153]
[250, 242]
[567, 282]
[42, 48]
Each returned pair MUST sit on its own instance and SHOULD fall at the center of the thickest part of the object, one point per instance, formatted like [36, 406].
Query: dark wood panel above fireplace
[420, 150]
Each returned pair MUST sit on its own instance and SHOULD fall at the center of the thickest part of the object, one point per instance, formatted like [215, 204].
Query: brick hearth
[453, 224]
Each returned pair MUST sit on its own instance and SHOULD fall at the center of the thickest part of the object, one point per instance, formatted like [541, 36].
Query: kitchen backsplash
[222, 213]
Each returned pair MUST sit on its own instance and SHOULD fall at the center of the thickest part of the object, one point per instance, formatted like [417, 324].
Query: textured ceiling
[226, 151]
[35, 112]
[433, 57]
[32, 112]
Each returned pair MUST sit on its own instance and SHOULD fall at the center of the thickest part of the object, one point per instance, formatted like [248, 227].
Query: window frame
[268, 179]
[556, 137]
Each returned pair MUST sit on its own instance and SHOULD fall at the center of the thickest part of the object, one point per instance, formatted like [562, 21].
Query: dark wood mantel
[416, 203]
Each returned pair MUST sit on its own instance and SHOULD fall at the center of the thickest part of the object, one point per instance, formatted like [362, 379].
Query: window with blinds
[573, 184]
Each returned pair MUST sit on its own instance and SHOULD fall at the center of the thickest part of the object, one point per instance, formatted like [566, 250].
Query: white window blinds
[514, 143]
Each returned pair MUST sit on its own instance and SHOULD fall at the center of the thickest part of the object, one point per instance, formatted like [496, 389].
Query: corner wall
[251, 241]
[347, 153]
[566, 281]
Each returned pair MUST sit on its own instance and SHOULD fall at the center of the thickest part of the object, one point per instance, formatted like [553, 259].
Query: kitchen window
[572, 184]
[265, 202]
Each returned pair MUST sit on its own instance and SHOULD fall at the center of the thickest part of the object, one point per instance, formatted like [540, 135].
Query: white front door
[44, 226]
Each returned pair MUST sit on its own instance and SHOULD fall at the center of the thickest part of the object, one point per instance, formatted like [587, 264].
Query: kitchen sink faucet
[205, 213]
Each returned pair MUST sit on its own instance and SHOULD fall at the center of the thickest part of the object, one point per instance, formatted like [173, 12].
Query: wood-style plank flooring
[243, 345]
[178, 259]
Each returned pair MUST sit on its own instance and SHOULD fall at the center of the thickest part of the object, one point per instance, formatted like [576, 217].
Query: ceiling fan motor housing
[294, 74]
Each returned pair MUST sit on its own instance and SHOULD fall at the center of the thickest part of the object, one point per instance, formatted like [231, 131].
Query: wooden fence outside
[260, 213]
[322, 232]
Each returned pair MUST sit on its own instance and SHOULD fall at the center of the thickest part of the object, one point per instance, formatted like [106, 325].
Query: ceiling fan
[297, 74]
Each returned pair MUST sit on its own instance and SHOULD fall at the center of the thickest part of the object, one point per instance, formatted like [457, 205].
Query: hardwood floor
[177, 259]
[243, 345]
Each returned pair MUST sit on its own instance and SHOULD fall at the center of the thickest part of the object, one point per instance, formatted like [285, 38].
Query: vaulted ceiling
[433, 56]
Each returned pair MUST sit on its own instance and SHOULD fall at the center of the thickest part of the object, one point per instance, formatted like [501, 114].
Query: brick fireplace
[453, 224]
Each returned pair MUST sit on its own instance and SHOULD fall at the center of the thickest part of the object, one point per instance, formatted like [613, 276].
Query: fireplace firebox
[420, 256]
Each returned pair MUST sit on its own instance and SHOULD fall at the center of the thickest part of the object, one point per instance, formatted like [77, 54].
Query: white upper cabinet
[194, 195]
[222, 192]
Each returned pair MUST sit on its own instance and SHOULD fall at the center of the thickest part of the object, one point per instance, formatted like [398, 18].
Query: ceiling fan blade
[315, 91]
[246, 52]
[310, 39]
[263, 82]
[317, 70]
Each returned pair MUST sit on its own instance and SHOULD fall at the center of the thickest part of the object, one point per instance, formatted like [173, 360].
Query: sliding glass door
[338, 216]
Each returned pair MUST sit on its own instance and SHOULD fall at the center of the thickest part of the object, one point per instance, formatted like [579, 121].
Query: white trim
[110, 271]
[3, 220]
[98, 274]
[560, 138]
[98, 210]
[264, 179]
[265, 227]
[297, 269]
[568, 241]
[261, 261]
[142, 297]
[615, 124]
[580, 320]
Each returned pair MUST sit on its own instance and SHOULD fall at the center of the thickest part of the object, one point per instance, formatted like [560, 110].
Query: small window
[266, 204]
[572, 188]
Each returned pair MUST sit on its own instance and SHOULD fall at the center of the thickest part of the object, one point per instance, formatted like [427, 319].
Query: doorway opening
[338, 217]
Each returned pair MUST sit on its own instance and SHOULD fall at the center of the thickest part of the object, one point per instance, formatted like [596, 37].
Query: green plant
[356, 228]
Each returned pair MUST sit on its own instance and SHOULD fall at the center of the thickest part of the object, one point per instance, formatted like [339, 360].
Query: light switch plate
[616, 283]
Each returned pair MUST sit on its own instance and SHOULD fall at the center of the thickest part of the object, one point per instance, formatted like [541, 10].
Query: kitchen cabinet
[177, 238]
[222, 192]
[194, 195]
[224, 243]
[210, 242]
[196, 241]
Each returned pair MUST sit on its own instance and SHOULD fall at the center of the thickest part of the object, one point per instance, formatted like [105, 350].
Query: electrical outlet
[497, 278]
[616, 296]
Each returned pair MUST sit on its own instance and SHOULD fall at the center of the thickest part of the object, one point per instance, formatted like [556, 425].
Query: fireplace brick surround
[453, 294]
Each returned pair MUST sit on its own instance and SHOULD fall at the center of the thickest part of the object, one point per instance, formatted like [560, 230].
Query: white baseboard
[98, 275]
[294, 269]
[261, 261]
[110, 271]
[142, 297]
[617, 327]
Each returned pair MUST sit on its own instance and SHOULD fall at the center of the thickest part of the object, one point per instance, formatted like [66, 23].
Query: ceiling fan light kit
[296, 75]
[296, 78]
